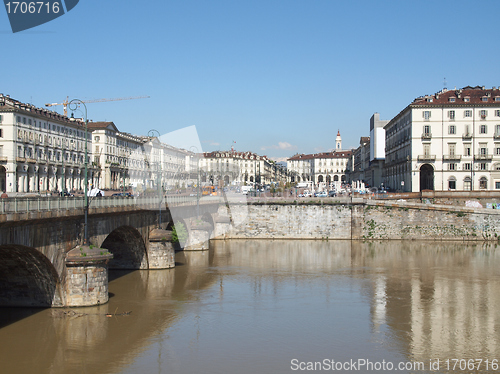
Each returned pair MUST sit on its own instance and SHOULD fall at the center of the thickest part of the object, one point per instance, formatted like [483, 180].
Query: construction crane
[66, 102]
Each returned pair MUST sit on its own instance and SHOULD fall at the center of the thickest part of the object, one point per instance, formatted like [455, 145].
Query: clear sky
[276, 77]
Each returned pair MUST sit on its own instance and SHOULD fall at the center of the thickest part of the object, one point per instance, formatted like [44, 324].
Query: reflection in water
[253, 306]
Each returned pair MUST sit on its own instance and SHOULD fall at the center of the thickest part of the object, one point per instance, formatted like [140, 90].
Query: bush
[179, 233]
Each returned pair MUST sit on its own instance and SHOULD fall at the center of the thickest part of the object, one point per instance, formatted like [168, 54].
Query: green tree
[179, 233]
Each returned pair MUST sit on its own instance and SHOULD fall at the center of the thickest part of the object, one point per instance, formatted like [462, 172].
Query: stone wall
[365, 219]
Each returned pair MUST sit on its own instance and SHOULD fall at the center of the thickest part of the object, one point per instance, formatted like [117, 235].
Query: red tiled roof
[334, 154]
[475, 95]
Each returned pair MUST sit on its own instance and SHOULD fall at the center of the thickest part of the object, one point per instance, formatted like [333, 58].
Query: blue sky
[276, 77]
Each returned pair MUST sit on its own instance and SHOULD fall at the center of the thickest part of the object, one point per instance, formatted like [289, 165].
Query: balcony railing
[426, 158]
[452, 157]
[426, 135]
[496, 136]
[483, 157]
[467, 136]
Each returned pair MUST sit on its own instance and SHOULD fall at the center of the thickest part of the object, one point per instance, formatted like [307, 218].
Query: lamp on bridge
[73, 105]
[194, 149]
[156, 134]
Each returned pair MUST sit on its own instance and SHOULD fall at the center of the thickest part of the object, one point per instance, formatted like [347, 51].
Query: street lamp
[194, 149]
[73, 105]
[156, 134]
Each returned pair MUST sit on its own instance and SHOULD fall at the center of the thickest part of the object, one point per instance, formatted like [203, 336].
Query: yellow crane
[66, 102]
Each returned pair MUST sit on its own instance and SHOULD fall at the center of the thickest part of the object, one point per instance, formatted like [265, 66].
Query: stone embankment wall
[364, 219]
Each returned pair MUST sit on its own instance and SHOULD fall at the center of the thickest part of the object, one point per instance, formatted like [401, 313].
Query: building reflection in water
[418, 300]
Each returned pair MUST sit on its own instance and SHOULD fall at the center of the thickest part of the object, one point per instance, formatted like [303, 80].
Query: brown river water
[266, 306]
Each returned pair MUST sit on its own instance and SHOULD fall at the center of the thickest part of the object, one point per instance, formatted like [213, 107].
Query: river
[266, 306]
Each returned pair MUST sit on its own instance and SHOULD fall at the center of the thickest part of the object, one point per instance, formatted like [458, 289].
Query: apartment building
[446, 141]
[324, 167]
[40, 150]
[232, 167]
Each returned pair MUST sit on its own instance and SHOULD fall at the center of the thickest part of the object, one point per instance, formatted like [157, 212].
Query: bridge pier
[161, 253]
[199, 236]
[222, 225]
[87, 276]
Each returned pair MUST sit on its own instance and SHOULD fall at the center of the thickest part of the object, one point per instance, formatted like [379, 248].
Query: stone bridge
[43, 262]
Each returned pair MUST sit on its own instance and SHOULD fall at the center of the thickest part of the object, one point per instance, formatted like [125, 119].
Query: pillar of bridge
[199, 235]
[222, 224]
[161, 253]
[87, 276]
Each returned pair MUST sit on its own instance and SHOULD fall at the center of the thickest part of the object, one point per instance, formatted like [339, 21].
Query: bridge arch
[28, 278]
[128, 248]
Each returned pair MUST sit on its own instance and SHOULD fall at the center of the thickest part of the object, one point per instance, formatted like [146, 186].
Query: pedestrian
[4, 195]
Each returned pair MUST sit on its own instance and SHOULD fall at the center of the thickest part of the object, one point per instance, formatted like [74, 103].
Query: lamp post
[156, 134]
[73, 105]
[194, 149]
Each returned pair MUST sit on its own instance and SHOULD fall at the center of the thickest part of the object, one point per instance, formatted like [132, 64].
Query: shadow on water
[114, 274]
[15, 314]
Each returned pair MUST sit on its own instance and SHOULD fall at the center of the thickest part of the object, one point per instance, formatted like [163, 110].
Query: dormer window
[484, 98]
[497, 98]
[467, 99]
[452, 99]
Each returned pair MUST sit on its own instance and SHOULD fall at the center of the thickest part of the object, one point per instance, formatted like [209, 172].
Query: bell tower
[338, 142]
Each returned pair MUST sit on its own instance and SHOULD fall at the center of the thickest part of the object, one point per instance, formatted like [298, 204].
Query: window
[452, 129]
[483, 149]
[467, 184]
[427, 114]
[427, 130]
[451, 149]
[484, 98]
[496, 167]
[467, 113]
[482, 166]
[1, 133]
[483, 183]
[497, 150]
[451, 114]
[427, 149]
[0, 119]
[467, 166]
[466, 99]
[452, 184]
[483, 113]
[497, 185]
[466, 149]
[482, 129]
[497, 112]
[467, 131]
[452, 99]
[452, 166]
[497, 130]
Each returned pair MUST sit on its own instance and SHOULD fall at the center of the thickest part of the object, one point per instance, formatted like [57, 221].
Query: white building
[325, 167]
[240, 168]
[40, 150]
[43, 151]
[446, 141]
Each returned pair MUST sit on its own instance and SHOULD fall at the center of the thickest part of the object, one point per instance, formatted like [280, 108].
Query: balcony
[452, 157]
[496, 136]
[426, 136]
[426, 158]
[31, 160]
[20, 159]
[3, 158]
[483, 157]
[466, 136]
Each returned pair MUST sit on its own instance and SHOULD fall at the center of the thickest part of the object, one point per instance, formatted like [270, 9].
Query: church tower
[338, 142]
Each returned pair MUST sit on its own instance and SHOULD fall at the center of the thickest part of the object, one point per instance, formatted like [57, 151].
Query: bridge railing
[28, 204]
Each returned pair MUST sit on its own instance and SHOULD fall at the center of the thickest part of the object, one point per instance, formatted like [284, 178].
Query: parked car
[332, 193]
[322, 194]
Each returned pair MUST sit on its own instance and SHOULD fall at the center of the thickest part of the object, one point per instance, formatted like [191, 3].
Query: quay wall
[363, 220]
